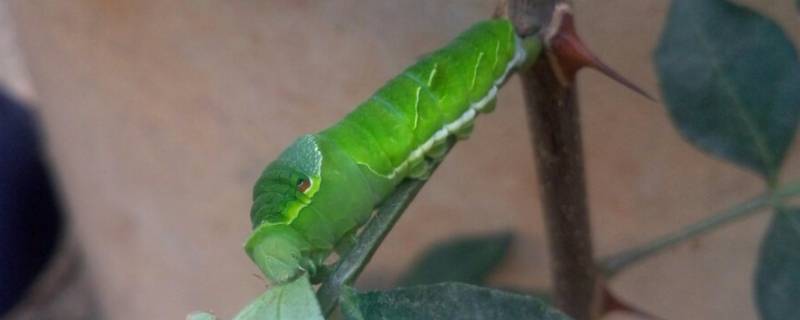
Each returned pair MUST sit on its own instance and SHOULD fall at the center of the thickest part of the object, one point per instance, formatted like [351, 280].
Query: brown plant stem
[554, 124]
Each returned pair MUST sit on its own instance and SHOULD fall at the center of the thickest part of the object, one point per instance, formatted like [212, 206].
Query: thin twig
[613, 264]
[556, 137]
[370, 238]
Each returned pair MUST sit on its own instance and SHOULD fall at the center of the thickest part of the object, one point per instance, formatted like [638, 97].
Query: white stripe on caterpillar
[449, 129]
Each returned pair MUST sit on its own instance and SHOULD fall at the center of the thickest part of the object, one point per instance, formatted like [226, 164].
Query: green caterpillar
[323, 187]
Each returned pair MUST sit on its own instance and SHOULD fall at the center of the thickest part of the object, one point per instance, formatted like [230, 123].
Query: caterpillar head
[285, 187]
[288, 184]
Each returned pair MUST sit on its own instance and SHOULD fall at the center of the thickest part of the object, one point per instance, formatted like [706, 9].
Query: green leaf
[200, 315]
[290, 301]
[731, 81]
[778, 273]
[444, 301]
[468, 259]
[543, 295]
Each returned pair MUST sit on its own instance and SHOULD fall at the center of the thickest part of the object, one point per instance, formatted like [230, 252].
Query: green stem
[370, 238]
[615, 263]
[786, 191]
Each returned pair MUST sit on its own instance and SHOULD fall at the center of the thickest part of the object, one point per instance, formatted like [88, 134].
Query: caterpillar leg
[346, 243]
[321, 273]
[489, 106]
[464, 131]
[437, 152]
[422, 170]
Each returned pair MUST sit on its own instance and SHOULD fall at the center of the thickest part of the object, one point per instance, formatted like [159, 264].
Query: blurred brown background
[160, 115]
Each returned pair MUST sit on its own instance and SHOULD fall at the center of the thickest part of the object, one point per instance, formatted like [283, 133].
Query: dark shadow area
[30, 215]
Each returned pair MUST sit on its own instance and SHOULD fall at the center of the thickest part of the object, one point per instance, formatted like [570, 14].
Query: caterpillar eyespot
[349, 168]
[303, 184]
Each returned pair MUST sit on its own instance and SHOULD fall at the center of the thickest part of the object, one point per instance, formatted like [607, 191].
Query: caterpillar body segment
[326, 185]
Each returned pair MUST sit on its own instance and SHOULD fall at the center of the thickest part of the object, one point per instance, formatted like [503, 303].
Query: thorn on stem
[569, 54]
[613, 304]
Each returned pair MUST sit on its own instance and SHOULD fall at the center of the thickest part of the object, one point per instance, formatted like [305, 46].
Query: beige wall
[161, 114]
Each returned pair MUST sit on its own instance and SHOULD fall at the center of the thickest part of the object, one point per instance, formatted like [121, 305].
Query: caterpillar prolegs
[324, 186]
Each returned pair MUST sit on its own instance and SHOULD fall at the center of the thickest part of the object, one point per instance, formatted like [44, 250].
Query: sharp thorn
[606, 70]
[571, 54]
[611, 304]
